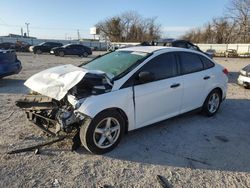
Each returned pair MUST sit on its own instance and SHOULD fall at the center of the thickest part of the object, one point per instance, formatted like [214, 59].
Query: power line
[43, 28]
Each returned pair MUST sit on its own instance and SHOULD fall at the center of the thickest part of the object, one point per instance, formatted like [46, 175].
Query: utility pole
[21, 31]
[78, 34]
[27, 25]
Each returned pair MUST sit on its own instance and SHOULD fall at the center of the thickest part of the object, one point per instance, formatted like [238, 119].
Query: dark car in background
[9, 64]
[211, 52]
[7, 45]
[180, 44]
[44, 47]
[71, 49]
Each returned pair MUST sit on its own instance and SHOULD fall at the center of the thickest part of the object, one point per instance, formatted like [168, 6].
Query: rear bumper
[10, 68]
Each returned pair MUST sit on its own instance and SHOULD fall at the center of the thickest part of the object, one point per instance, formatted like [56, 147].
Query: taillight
[225, 71]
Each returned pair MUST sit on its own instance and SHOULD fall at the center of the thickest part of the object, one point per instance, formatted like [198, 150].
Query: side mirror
[145, 77]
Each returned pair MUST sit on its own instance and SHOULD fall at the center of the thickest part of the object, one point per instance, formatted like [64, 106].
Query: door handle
[206, 77]
[175, 85]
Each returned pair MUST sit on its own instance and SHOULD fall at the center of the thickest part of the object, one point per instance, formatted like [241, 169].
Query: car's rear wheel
[212, 103]
[85, 54]
[61, 53]
[103, 133]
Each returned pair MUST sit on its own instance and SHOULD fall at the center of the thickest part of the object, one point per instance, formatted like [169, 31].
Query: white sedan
[125, 90]
[244, 77]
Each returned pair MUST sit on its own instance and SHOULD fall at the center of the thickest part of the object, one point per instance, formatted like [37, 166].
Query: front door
[161, 98]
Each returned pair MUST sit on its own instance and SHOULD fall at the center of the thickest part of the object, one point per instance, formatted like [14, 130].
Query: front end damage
[53, 107]
[48, 114]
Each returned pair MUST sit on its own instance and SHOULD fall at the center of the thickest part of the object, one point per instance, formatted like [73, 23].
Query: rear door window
[190, 62]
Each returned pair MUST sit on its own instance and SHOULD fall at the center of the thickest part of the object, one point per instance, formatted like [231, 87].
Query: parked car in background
[7, 45]
[124, 90]
[44, 47]
[231, 53]
[71, 49]
[21, 46]
[211, 52]
[180, 44]
[9, 64]
[244, 77]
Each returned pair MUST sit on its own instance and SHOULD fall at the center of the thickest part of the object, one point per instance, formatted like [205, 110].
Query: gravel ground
[188, 151]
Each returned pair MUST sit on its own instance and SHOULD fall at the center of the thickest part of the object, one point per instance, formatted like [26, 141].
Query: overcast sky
[60, 19]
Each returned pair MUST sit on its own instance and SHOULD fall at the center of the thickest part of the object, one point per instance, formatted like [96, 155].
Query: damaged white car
[122, 91]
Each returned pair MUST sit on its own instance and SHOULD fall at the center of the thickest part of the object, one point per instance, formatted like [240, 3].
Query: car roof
[152, 49]
[6, 51]
[147, 49]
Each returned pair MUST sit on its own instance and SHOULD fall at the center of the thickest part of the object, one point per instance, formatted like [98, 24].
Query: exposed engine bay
[54, 116]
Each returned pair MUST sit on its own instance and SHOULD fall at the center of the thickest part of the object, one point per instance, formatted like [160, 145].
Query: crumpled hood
[57, 81]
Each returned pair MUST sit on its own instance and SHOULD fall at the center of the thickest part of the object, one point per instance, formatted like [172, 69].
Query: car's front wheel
[212, 103]
[103, 133]
[39, 51]
[61, 53]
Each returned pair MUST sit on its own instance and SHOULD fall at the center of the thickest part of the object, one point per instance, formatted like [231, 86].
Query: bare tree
[129, 27]
[234, 27]
[239, 12]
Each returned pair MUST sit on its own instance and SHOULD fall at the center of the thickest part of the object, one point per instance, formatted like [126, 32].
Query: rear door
[79, 50]
[195, 80]
[46, 47]
[161, 98]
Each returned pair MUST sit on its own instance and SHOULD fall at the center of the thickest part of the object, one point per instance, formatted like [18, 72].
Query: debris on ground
[38, 146]
[8, 116]
[222, 138]
[163, 182]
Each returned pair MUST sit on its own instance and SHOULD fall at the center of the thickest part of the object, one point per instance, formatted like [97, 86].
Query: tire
[212, 103]
[39, 51]
[96, 135]
[85, 54]
[247, 87]
[61, 54]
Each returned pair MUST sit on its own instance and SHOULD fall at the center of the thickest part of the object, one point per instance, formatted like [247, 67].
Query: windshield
[116, 63]
[41, 44]
[64, 46]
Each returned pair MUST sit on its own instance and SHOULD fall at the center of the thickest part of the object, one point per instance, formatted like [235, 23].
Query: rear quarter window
[207, 63]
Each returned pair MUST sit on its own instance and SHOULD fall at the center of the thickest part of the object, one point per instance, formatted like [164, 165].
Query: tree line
[233, 27]
[129, 27]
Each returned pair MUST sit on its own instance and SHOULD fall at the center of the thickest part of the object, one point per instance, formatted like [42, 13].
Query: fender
[121, 99]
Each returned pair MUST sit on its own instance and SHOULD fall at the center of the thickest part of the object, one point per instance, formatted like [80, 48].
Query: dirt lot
[189, 151]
